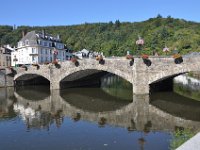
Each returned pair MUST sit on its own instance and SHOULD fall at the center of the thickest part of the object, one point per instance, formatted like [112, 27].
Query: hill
[118, 37]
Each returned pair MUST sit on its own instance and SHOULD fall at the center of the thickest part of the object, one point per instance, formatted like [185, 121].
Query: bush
[180, 136]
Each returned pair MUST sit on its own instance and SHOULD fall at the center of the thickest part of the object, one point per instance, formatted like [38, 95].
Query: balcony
[33, 54]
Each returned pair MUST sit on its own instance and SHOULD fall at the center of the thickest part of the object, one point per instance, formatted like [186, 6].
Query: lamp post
[15, 60]
[139, 43]
[55, 53]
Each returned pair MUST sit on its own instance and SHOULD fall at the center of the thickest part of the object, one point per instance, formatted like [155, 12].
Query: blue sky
[70, 12]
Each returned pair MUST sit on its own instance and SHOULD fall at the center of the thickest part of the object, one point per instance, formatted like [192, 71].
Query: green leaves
[179, 137]
[118, 37]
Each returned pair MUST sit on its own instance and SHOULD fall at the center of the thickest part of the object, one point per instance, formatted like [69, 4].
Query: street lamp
[55, 53]
[139, 43]
[15, 60]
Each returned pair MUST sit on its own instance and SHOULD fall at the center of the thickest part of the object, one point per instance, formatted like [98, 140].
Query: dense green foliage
[116, 38]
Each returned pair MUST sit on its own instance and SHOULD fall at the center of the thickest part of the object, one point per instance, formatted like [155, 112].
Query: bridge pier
[141, 111]
[140, 89]
[140, 77]
[54, 85]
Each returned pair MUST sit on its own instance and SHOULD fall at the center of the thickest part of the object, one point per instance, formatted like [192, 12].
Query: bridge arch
[89, 70]
[172, 71]
[31, 78]
[20, 75]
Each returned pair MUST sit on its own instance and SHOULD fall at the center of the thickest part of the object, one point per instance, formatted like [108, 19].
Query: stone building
[38, 48]
[5, 56]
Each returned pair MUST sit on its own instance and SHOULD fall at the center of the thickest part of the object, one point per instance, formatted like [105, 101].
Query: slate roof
[33, 37]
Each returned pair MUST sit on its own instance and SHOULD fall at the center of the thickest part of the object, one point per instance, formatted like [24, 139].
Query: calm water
[92, 118]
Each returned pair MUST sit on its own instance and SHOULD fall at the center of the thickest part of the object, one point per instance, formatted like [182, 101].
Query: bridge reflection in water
[140, 114]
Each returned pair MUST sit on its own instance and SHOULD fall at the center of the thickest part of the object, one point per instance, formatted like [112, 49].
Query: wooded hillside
[115, 38]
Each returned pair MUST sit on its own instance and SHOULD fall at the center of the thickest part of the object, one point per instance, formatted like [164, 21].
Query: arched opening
[108, 83]
[178, 95]
[31, 79]
[83, 78]
[163, 84]
[88, 77]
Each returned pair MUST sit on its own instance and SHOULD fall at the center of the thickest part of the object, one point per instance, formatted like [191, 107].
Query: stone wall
[6, 80]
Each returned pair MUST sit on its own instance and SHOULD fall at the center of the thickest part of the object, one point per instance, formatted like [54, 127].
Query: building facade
[38, 48]
[5, 56]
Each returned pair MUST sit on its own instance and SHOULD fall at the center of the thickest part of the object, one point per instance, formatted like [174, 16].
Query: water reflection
[137, 115]
[116, 86]
[6, 105]
[33, 92]
[93, 99]
[187, 86]
[75, 112]
[177, 105]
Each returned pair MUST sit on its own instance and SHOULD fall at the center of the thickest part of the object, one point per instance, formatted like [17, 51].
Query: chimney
[23, 33]
[43, 33]
[58, 37]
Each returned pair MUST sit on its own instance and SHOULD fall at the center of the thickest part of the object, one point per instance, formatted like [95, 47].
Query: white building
[82, 54]
[38, 48]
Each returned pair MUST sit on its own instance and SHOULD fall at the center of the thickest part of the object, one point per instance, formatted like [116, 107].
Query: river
[109, 117]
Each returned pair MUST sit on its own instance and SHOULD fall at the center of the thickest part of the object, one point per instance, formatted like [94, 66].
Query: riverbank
[191, 144]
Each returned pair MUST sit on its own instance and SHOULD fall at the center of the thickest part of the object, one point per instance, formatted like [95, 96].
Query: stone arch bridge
[139, 75]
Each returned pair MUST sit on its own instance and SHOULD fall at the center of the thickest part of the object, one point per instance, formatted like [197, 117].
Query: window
[45, 43]
[33, 50]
